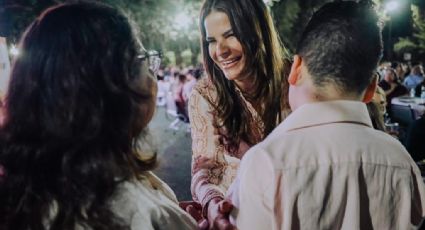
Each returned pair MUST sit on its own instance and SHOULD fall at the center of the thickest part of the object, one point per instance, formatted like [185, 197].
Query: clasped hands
[218, 214]
[218, 209]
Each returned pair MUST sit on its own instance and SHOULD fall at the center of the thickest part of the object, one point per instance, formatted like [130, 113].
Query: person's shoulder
[275, 147]
[205, 88]
[258, 157]
[134, 198]
[385, 149]
[299, 147]
[144, 204]
[203, 84]
[130, 193]
[144, 194]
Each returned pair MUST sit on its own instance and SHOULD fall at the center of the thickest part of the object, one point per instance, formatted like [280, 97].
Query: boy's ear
[295, 73]
[370, 90]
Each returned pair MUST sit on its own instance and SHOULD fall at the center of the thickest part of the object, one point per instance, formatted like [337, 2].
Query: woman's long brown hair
[266, 61]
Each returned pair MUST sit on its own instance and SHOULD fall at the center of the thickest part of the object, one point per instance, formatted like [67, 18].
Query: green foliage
[285, 14]
[158, 24]
[169, 58]
[186, 57]
[155, 21]
[416, 43]
[419, 35]
[291, 16]
[404, 45]
[22, 13]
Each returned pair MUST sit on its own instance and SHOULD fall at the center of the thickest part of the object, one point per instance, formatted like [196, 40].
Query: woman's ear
[295, 75]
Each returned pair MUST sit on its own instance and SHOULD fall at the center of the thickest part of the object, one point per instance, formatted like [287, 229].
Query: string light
[14, 51]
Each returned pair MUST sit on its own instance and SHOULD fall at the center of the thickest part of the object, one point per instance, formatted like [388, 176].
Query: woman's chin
[231, 76]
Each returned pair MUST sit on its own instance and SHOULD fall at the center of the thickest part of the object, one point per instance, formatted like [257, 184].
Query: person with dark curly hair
[71, 145]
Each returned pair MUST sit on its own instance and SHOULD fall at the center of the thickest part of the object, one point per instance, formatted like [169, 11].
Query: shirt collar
[319, 113]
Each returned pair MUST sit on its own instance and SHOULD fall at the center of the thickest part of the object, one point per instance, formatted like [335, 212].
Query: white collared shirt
[325, 167]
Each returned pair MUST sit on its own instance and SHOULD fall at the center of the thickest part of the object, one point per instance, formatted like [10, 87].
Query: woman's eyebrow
[228, 32]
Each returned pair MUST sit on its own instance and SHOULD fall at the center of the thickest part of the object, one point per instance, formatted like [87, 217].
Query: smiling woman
[225, 49]
[243, 98]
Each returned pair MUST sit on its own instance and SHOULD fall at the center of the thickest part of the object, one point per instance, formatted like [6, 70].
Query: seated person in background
[178, 97]
[193, 75]
[324, 166]
[76, 113]
[415, 78]
[381, 69]
[400, 69]
[163, 88]
[419, 89]
[391, 86]
[415, 139]
[377, 109]
[188, 85]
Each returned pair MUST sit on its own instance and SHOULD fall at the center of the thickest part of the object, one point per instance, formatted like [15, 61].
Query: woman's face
[389, 76]
[223, 47]
[148, 82]
[380, 100]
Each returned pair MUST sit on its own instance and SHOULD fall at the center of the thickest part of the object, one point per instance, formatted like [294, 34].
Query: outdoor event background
[172, 26]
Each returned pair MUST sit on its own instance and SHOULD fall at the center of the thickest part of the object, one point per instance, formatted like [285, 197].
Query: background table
[417, 104]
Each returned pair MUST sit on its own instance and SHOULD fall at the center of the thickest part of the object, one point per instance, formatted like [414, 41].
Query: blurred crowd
[174, 88]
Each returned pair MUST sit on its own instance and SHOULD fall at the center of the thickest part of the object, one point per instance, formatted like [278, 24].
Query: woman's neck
[246, 86]
[249, 92]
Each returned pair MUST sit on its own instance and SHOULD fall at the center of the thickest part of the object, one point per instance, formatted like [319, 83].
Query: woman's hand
[218, 214]
[195, 210]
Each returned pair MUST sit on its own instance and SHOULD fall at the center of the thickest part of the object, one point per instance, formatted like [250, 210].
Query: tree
[414, 44]
[20, 13]
[154, 19]
[158, 23]
[291, 16]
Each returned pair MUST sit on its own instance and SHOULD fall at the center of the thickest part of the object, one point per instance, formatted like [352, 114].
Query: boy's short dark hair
[342, 44]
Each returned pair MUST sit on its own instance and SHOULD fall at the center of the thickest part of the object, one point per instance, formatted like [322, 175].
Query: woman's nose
[222, 50]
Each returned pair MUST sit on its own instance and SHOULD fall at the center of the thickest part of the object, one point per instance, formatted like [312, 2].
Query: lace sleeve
[205, 182]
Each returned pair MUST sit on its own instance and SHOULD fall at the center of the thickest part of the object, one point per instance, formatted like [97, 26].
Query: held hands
[195, 210]
[218, 214]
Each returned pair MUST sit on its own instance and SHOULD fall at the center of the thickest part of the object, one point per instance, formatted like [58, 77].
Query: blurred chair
[403, 114]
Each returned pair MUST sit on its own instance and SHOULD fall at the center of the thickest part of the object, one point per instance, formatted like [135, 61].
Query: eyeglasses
[153, 57]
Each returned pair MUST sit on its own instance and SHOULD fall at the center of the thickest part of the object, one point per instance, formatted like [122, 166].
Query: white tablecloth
[416, 103]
